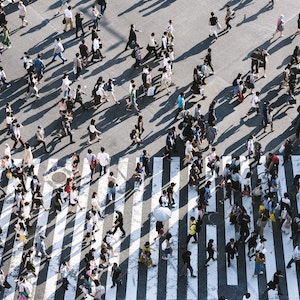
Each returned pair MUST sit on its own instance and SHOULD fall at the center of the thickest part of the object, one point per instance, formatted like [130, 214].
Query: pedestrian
[78, 24]
[37, 199]
[288, 150]
[180, 104]
[99, 292]
[94, 133]
[84, 52]
[96, 45]
[188, 152]
[211, 134]
[186, 258]
[241, 91]
[95, 17]
[211, 250]
[28, 159]
[279, 26]
[41, 247]
[96, 204]
[295, 257]
[3, 281]
[254, 105]
[66, 123]
[3, 20]
[212, 118]
[229, 16]
[102, 4]
[110, 90]
[68, 14]
[274, 284]
[145, 257]
[250, 146]
[296, 228]
[137, 54]
[103, 159]
[159, 227]
[92, 160]
[112, 184]
[152, 44]
[267, 115]
[78, 92]
[170, 32]
[16, 136]
[192, 232]
[116, 275]
[132, 100]
[6, 38]
[132, 39]
[171, 193]
[29, 262]
[144, 159]
[231, 250]
[58, 50]
[3, 77]
[40, 138]
[213, 23]
[118, 223]
[64, 271]
[24, 287]
[77, 66]
[166, 246]
[208, 59]
[39, 67]
[260, 261]
[32, 86]
[22, 13]
[169, 146]
[298, 25]
[263, 63]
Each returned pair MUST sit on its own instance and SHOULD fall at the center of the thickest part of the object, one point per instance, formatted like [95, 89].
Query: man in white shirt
[295, 257]
[103, 160]
[152, 46]
[69, 18]
[188, 152]
[254, 105]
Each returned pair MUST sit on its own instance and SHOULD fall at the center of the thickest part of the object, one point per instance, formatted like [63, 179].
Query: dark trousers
[150, 50]
[78, 72]
[40, 142]
[147, 170]
[102, 168]
[129, 43]
[65, 283]
[178, 111]
[121, 228]
[228, 26]
[210, 256]
[78, 29]
[190, 236]
[19, 140]
[229, 257]
[102, 8]
[80, 102]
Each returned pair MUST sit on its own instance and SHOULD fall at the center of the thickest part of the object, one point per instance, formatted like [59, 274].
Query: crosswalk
[65, 237]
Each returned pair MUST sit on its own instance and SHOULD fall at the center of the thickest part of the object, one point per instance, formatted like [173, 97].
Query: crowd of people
[193, 130]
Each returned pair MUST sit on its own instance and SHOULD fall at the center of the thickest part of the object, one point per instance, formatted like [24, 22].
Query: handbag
[281, 149]
[151, 91]
[272, 217]
[93, 164]
[64, 21]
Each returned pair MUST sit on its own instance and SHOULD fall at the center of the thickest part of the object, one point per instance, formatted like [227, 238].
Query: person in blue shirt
[180, 104]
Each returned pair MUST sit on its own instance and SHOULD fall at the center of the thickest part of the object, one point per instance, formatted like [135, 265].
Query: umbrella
[162, 214]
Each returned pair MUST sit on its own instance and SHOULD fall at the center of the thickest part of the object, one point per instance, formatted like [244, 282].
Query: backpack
[142, 158]
[133, 53]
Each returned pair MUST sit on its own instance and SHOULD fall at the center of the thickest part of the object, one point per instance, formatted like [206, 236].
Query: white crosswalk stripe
[163, 174]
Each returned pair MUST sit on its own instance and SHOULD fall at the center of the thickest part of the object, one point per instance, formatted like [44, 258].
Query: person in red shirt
[272, 163]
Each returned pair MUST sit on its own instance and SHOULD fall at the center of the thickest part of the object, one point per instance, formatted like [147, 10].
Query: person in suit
[231, 250]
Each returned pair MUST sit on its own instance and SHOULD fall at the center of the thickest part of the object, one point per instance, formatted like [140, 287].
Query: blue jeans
[258, 268]
[111, 193]
[59, 55]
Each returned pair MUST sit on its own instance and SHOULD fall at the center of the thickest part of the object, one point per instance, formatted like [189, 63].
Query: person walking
[103, 159]
[94, 133]
[144, 159]
[95, 17]
[213, 25]
[274, 284]
[58, 50]
[68, 14]
[29, 262]
[39, 67]
[64, 271]
[145, 257]
[254, 105]
[166, 246]
[79, 24]
[41, 247]
[186, 258]
[118, 223]
[22, 13]
[77, 66]
[40, 138]
[211, 250]
[180, 104]
[116, 275]
[132, 39]
[152, 44]
[112, 184]
[102, 4]
[288, 149]
[6, 38]
[16, 136]
[78, 96]
[132, 100]
[279, 26]
[260, 261]
[137, 54]
[92, 160]
[295, 257]
[229, 16]
[192, 232]
[231, 250]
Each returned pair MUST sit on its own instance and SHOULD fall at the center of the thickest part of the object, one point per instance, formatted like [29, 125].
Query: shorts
[22, 18]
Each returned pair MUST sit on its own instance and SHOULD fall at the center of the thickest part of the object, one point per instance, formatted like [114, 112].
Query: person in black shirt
[78, 96]
[170, 191]
[231, 250]
[186, 258]
[132, 37]
[274, 284]
[213, 21]
[78, 24]
[119, 224]
[208, 59]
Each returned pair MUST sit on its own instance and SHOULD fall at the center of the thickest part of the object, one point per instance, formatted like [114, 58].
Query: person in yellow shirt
[193, 231]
